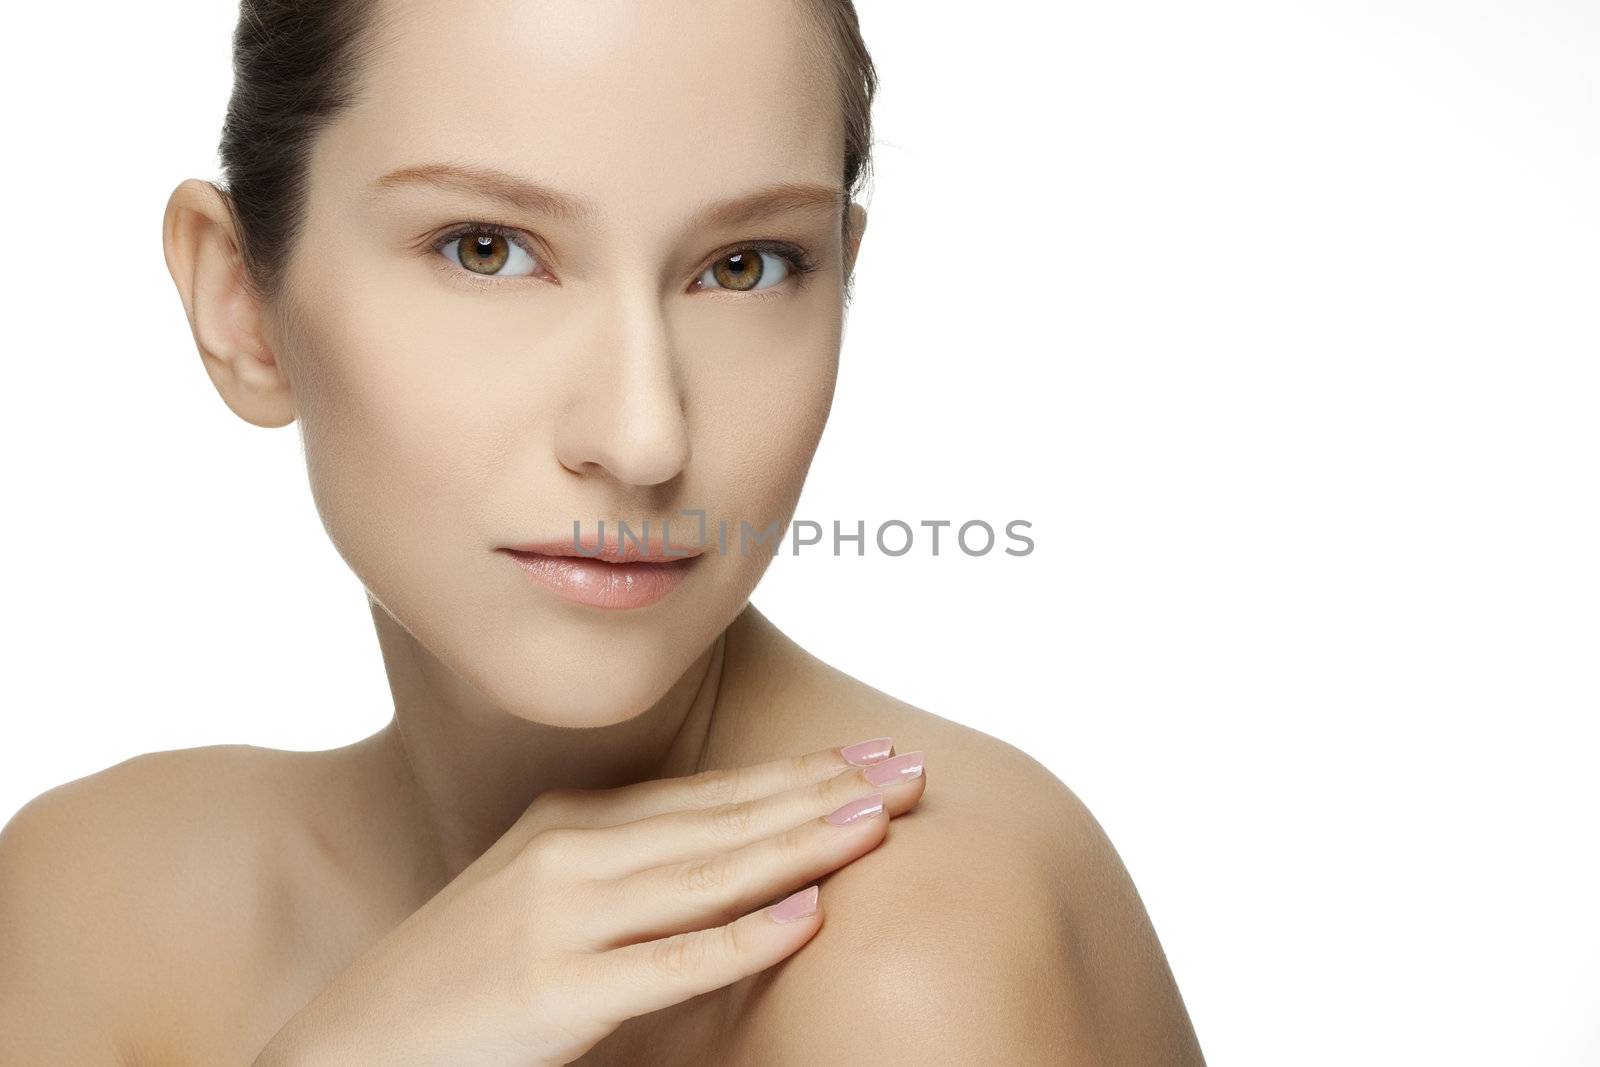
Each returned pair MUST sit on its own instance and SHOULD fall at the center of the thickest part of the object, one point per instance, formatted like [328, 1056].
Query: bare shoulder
[996, 923]
[134, 891]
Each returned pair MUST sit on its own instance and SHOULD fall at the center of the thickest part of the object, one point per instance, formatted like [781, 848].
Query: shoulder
[996, 923]
[158, 831]
[137, 882]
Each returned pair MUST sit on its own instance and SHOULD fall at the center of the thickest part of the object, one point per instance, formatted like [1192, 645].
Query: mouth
[610, 575]
[653, 549]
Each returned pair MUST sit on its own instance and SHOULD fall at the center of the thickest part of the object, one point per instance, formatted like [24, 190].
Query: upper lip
[615, 549]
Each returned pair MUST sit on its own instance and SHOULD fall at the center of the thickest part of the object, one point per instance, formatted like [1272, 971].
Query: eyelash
[798, 258]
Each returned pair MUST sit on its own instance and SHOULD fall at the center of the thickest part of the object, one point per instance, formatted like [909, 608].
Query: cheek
[762, 402]
[396, 438]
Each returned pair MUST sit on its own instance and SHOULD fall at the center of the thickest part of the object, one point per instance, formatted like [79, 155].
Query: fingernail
[863, 753]
[870, 804]
[795, 906]
[902, 768]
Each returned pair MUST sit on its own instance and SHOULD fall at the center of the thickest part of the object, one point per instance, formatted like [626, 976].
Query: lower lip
[600, 584]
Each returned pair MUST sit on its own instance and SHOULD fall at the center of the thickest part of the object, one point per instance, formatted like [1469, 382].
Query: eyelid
[524, 240]
[799, 259]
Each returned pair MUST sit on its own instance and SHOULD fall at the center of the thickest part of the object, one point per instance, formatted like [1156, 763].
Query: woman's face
[459, 393]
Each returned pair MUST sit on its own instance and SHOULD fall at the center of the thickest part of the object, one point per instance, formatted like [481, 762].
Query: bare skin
[182, 907]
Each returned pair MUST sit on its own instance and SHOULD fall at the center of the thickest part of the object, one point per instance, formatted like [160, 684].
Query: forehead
[635, 103]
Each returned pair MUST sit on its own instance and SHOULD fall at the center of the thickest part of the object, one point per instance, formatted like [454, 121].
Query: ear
[855, 228]
[225, 316]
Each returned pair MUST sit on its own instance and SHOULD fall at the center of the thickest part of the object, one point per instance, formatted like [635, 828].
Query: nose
[626, 414]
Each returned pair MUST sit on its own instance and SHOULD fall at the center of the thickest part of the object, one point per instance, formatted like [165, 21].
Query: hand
[599, 905]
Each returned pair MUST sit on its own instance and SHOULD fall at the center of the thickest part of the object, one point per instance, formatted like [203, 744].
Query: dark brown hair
[297, 64]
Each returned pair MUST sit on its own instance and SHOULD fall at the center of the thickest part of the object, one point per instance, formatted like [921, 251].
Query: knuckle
[793, 841]
[732, 822]
[730, 941]
[814, 765]
[703, 876]
[552, 804]
[555, 848]
[674, 956]
[793, 770]
[718, 785]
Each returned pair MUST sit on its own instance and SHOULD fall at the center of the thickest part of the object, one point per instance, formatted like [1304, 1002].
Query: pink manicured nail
[870, 804]
[902, 768]
[863, 753]
[796, 906]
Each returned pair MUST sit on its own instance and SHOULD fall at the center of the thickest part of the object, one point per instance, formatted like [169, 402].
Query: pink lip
[655, 548]
[602, 584]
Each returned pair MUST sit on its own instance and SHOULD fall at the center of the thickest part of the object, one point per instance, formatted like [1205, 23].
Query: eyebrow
[524, 194]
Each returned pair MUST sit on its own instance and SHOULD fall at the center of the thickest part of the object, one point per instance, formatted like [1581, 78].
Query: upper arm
[978, 937]
[59, 963]
[112, 912]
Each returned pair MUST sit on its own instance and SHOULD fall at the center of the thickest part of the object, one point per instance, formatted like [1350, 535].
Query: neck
[468, 772]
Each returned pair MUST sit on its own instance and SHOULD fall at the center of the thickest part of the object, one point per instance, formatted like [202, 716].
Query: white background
[1276, 319]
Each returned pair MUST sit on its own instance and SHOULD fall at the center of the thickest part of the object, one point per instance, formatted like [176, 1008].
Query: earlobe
[202, 255]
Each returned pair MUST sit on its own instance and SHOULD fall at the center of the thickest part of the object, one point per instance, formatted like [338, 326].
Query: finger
[722, 785]
[694, 893]
[657, 974]
[679, 836]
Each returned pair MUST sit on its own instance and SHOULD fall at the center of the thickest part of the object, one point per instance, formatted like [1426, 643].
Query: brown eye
[487, 252]
[747, 269]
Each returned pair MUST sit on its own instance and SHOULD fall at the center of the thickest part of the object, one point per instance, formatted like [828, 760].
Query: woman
[523, 272]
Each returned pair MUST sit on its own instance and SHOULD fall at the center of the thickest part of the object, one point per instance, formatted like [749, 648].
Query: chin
[543, 659]
[577, 667]
[571, 692]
